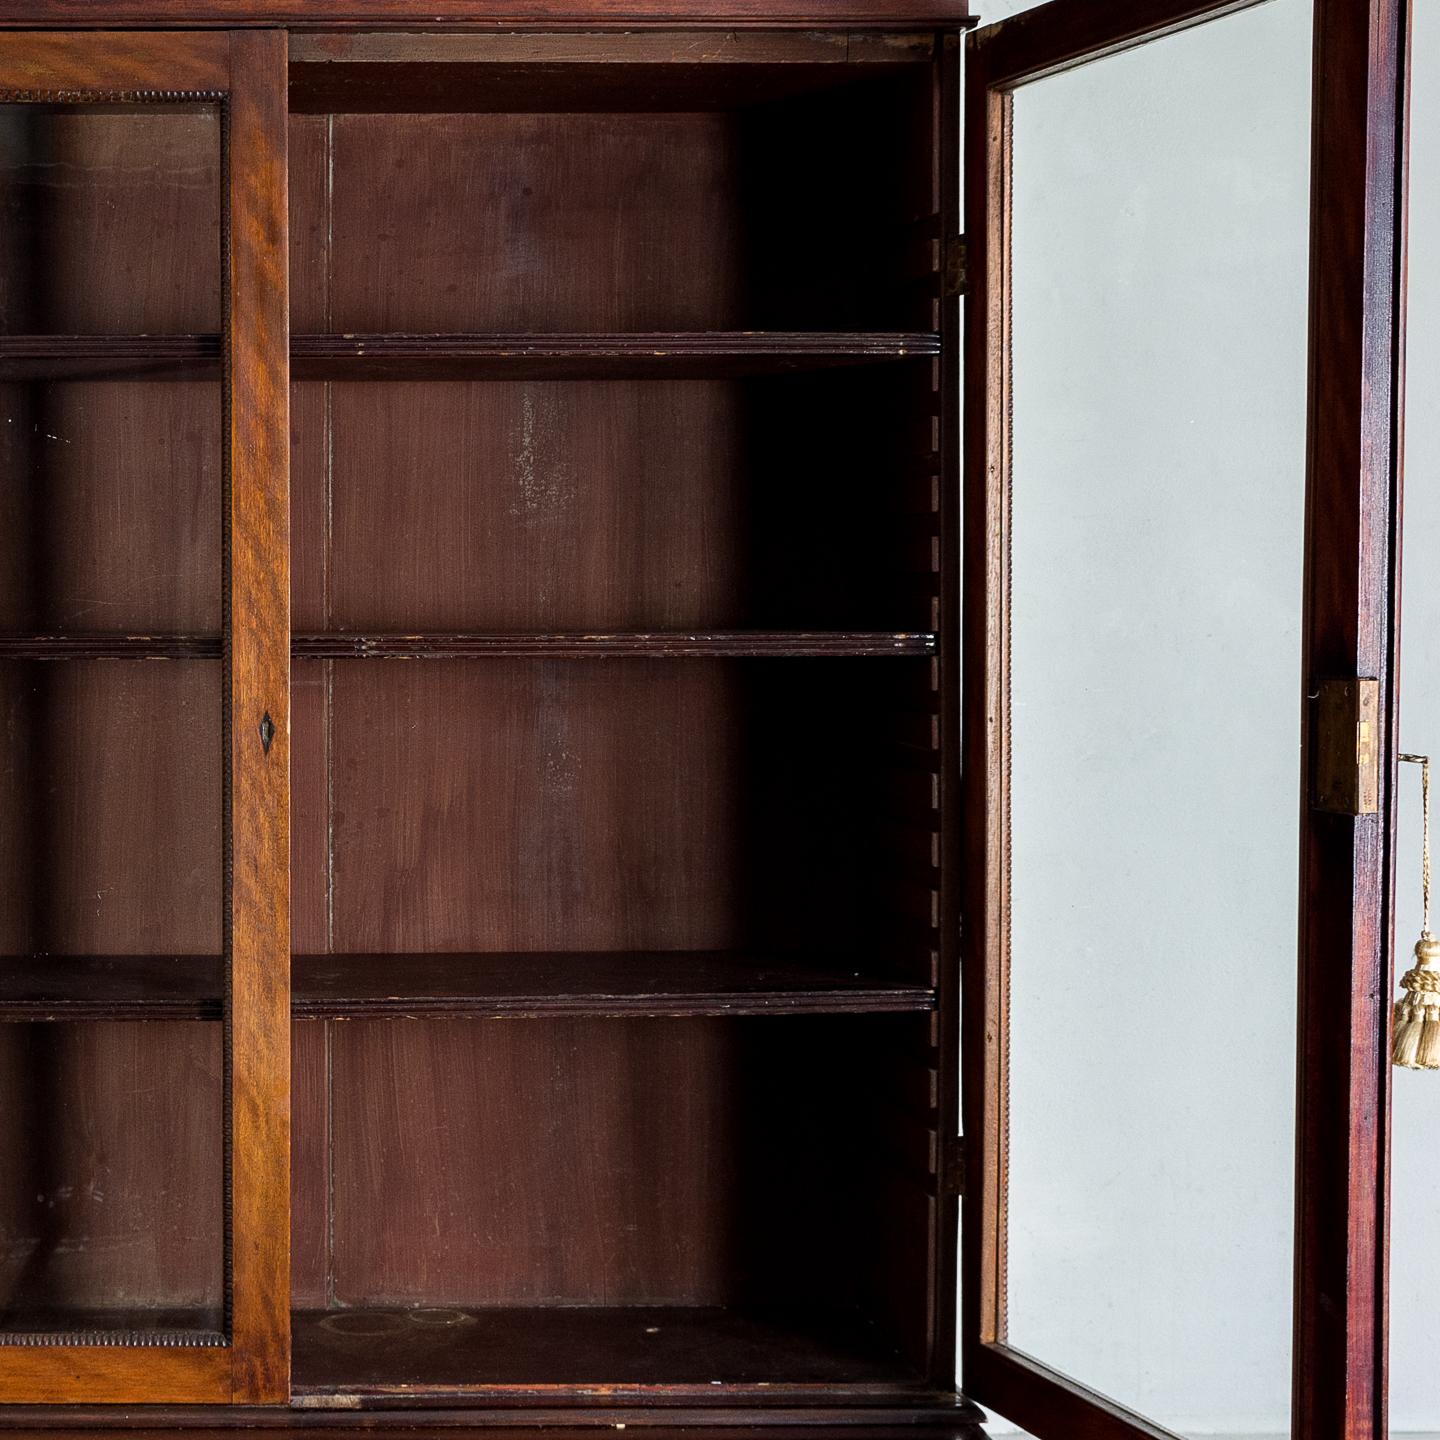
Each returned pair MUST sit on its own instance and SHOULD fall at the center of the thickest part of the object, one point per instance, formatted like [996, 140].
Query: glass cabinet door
[144, 1026]
[1179, 587]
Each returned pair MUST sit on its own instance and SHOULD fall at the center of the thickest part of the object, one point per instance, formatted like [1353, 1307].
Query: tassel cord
[1423, 761]
[1416, 1040]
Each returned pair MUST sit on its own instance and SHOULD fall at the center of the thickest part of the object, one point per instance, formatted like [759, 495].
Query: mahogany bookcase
[503, 697]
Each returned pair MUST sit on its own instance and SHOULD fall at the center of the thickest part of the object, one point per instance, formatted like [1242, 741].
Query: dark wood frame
[1351, 630]
[247, 74]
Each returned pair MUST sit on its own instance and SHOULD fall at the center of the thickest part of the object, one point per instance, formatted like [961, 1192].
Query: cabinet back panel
[542, 805]
[808, 212]
[616, 805]
[610, 1162]
[545, 1161]
[310, 1232]
[311, 826]
[548, 506]
[110, 220]
[517, 222]
[112, 1149]
[612, 505]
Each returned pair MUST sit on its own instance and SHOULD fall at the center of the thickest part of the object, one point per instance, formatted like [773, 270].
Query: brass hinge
[952, 1165]
[955, 265]
[1347, 747]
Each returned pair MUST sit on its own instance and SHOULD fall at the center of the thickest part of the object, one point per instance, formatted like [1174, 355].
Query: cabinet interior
[614, 738]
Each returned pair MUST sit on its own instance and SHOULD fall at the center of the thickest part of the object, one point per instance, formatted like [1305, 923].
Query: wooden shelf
[336, 987]
[106, 646]
[521, 356]
[620, 356]
[108, 357]
[661, 644]
[604, 983]
[111, 987]
[452, 1352]
[338, 646]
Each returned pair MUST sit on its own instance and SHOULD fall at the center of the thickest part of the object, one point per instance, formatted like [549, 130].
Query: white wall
[1164, 1387]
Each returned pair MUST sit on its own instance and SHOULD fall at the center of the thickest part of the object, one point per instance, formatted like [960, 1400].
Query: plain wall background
[1248, 1332]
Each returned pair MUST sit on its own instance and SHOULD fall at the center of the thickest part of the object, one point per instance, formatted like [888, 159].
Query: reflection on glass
[111, 772]
[1160, 272]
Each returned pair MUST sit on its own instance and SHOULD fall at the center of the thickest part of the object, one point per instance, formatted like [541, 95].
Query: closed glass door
[143, 699]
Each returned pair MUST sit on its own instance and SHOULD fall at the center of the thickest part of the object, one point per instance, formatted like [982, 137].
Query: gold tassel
[1416, 1045]
[1415, 1041]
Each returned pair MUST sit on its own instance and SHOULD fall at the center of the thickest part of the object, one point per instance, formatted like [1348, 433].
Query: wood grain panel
[309, 143]
[537, 506]
[544, 805]
[623, 505]
[499, 222]
[112, 1150]
[310, 816]
[680, 1162]
[575, 1187]
[310, 1284]
[109, 221]
[637, 805]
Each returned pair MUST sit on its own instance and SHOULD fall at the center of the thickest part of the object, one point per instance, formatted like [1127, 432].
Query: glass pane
[1160, 273]
[112, 1213]
[110, 219]
[111, 885]
[112, 891]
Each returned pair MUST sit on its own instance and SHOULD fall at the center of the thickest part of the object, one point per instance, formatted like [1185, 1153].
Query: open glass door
[144, 654]
[1182, 359]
